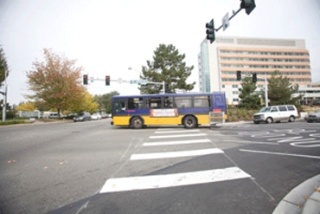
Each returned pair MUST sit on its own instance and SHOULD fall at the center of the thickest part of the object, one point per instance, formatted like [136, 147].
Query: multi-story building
[220, 61]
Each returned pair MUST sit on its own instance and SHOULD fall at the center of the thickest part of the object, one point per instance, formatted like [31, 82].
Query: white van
[277, 113]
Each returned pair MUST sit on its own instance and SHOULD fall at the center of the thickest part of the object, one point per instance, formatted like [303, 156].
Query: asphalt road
[92, 167]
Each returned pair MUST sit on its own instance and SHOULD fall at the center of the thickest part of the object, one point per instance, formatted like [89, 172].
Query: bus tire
[190, 122]
[136, 123]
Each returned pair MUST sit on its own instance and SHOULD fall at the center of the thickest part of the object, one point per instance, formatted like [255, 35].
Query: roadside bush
[239, 114]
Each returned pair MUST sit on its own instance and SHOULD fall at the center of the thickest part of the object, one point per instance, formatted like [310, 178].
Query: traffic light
[107, 80]
[85, 79]
[210, 31]
[254, 77]
[249, 5]
[239, 75]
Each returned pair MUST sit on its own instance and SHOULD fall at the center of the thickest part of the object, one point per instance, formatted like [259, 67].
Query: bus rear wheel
[189, 122]
[136, 123]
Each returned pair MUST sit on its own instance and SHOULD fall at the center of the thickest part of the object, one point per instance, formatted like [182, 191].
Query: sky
[107, 37]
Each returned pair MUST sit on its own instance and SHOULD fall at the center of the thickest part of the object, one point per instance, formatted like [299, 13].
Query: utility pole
[4, 107]
[266, 91]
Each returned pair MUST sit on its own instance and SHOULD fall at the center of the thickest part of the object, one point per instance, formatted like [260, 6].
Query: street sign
[225, 21]
[141, 82]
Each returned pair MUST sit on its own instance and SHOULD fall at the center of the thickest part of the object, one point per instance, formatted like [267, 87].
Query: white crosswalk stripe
[172, 180]
[175, 154]
[177, 142]
[177, 136]
[190, 137]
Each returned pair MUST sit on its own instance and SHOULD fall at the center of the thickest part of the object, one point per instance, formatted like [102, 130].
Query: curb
[303, 199]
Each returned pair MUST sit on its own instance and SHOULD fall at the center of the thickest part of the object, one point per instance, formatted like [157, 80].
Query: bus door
[119, 107]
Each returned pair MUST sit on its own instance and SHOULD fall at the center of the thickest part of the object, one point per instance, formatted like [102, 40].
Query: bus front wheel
[136, 123]
[190, 122]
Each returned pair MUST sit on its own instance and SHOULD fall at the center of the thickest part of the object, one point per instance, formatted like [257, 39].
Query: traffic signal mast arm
[248, 5]
[233, 15]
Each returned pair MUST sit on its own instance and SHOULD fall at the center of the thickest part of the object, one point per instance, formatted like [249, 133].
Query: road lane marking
[176, 136]
[178, 142]
[160, 155]
[172, 180]
[307, 144]
[250, 142]
[177, 131]
[281, 154]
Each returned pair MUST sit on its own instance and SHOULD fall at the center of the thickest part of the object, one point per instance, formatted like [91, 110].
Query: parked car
[278, 113]
[70, 116]
[85, 116]
[104, 115]
[313, 117]
[96, 116]
[55, 116]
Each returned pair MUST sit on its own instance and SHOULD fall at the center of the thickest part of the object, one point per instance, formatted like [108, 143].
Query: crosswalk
[164, 138]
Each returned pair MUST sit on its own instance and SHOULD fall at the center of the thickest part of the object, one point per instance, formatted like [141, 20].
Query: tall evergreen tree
[168, 66]
[4, 72]
[280, 90]
[248, 98]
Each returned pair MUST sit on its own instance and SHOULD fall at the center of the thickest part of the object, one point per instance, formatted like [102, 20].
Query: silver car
[313, 117]
[85, 116]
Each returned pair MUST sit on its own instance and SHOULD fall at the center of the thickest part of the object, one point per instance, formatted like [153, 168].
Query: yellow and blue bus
[189, 110]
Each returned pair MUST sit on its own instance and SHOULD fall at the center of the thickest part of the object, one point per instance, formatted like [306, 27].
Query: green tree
[4, 71]
[249, 99]
[168, 66]
[56, 82]
[104, 101]
[280, 90]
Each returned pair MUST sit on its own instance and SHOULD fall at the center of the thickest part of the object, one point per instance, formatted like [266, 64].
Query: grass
[13, 122]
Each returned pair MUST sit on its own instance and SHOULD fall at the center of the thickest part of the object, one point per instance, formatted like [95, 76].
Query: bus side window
[168, 102]
[155, 102]
[201, 101]
[183, 102]
[135, 103]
